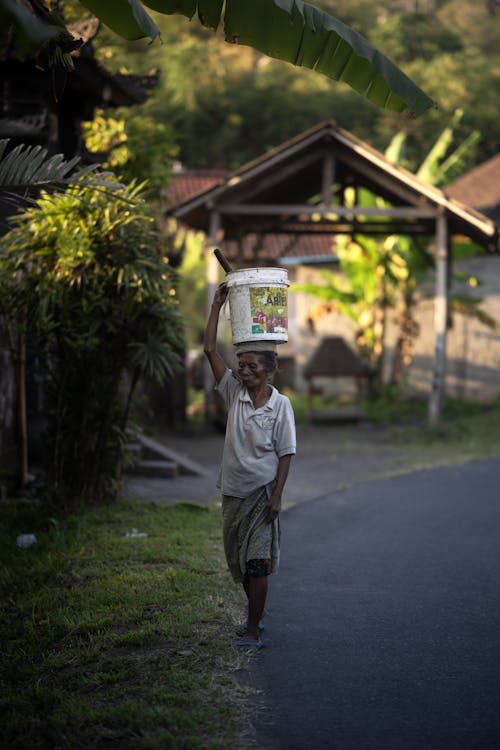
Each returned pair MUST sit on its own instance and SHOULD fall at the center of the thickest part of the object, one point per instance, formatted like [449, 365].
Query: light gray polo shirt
[255, 438]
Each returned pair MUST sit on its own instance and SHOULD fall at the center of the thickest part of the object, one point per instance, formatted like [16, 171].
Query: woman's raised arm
[210, 339]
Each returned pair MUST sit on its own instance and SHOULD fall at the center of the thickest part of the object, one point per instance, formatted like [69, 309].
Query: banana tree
[289, 30]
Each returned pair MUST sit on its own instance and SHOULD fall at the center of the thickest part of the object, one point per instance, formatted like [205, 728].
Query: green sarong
[246, 533]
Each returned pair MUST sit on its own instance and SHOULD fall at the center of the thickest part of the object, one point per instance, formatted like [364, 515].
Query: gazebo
[299, 189]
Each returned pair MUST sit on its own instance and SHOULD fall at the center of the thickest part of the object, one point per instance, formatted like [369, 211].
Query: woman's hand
[220, 295]
[273, 507]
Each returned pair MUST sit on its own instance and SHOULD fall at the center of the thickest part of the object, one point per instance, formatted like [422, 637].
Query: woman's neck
[260, 395]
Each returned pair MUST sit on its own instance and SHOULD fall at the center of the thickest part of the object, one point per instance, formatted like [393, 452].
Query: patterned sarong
[247, 534]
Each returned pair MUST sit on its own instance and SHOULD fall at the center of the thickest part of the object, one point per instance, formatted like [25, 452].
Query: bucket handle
[222, 260]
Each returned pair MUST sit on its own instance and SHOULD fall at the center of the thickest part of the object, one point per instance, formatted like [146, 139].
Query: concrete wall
[473, 350]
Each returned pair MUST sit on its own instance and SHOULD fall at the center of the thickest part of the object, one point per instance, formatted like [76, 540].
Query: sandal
[249, 642]
[242, 630]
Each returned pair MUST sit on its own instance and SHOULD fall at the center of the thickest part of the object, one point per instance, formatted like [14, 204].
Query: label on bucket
[269, 310]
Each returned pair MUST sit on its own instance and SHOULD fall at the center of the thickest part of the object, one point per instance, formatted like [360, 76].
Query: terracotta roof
[186, 184]
[334, 358]
[480, 188]
[270, 247]
[276, 247]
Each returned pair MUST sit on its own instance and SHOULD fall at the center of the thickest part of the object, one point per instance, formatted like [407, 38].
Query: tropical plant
[289, 30]
[135, 145]
[192, 283]
[82, 278]
[25, 170]
[374, 275]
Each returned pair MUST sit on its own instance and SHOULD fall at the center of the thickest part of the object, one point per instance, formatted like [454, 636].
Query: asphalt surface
[384, 624]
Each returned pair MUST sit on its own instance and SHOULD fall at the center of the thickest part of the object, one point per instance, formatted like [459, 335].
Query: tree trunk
[23, 421]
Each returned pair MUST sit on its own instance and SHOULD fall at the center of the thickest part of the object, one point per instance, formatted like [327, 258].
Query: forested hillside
[227, 104]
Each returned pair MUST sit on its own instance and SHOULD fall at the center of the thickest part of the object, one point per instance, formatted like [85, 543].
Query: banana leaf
[289, 30]
[31, 31]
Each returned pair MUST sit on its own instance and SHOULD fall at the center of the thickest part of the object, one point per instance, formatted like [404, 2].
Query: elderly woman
[259, 444]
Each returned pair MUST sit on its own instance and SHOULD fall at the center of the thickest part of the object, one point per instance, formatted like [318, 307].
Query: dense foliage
[229, 104]
[295, 31]
[83, 279]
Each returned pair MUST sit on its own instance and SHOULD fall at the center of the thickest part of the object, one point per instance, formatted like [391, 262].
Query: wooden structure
[300, 188]
[333, 358]
[46, 107]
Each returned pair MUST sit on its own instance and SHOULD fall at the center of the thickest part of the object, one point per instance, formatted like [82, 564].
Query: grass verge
[467, 431]
[118, 641]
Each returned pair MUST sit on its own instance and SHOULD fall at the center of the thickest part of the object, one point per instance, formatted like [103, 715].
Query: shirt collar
[270, 403]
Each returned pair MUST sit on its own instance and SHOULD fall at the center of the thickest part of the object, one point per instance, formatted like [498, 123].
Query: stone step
[185, 464]
[154, 468]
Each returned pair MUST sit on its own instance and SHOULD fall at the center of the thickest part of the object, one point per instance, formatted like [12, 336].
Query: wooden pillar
[437, 395]
[328, 178]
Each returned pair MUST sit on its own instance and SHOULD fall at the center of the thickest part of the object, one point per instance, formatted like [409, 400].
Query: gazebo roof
[302, 184]
[189, 183]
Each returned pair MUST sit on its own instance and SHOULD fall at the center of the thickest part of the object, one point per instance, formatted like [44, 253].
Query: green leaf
[301, 34]
[125, 17]
[32, 32]
[209, 11]
[394, 151]
[288, 30]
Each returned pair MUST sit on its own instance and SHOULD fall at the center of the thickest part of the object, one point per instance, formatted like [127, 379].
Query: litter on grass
[26, 540]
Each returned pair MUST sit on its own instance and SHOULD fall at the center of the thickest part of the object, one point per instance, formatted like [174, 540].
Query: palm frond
[25, 170]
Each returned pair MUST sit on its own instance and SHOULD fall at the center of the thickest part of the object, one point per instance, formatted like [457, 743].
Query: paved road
[384, 632]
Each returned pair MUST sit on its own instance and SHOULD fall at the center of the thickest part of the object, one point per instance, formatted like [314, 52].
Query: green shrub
[84, 282]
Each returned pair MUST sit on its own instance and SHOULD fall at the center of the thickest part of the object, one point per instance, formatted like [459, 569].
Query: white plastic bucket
[258, 304]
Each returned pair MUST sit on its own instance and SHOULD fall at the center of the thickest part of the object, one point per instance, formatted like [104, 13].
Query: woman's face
[251, 370]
